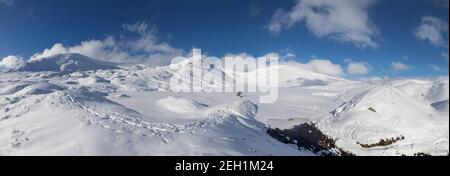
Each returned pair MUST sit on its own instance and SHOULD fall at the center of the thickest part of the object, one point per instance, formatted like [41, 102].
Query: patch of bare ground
[382, 142]
[308, 136]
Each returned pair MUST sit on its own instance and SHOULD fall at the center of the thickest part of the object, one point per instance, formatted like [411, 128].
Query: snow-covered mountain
[383, 120]
[74, 105]
[66, 63]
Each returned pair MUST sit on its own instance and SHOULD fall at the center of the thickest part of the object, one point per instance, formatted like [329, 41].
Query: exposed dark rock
[308, 136]
[372, 109]
[382, 142]
[421, 154]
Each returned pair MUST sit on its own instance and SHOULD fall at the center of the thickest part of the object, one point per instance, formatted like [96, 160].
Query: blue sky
[396, 38]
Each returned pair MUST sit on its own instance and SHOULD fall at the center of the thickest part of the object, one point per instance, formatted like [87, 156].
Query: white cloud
[341, 20]
[323, 66]
[139, 27]
[7, 2]
[348, 60]
[142, 46]
[433, 30]
[289, 56]
[282, 58]
[242, 55]
[398, 66]
[440, 3]
[358, 68]
[57, 48]
[254, 10]
[435, 68]
[11, 62]
[445, 56]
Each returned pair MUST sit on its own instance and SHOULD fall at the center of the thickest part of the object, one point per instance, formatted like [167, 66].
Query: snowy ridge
[70, 62]
[382, 113]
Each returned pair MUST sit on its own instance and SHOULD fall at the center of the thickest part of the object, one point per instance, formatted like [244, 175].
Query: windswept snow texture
[74, 105]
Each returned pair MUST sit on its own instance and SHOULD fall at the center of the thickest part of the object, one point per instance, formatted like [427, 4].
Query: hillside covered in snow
[71, 104]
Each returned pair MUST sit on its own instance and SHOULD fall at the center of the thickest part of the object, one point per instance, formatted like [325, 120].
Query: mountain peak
[69, 62]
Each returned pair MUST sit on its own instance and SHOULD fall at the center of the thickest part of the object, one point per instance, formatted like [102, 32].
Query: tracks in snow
[117, 121]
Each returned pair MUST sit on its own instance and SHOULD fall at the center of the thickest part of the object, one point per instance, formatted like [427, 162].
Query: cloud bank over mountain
[341, 20]
[141, 45]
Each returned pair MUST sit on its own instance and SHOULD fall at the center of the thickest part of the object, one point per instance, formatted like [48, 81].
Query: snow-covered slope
[80, 122]
[426, 90]
[382, 120]
[83, 111]
[74, 105]
[442, 107]
[291, 75]
[432, 92]
[287, 75]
